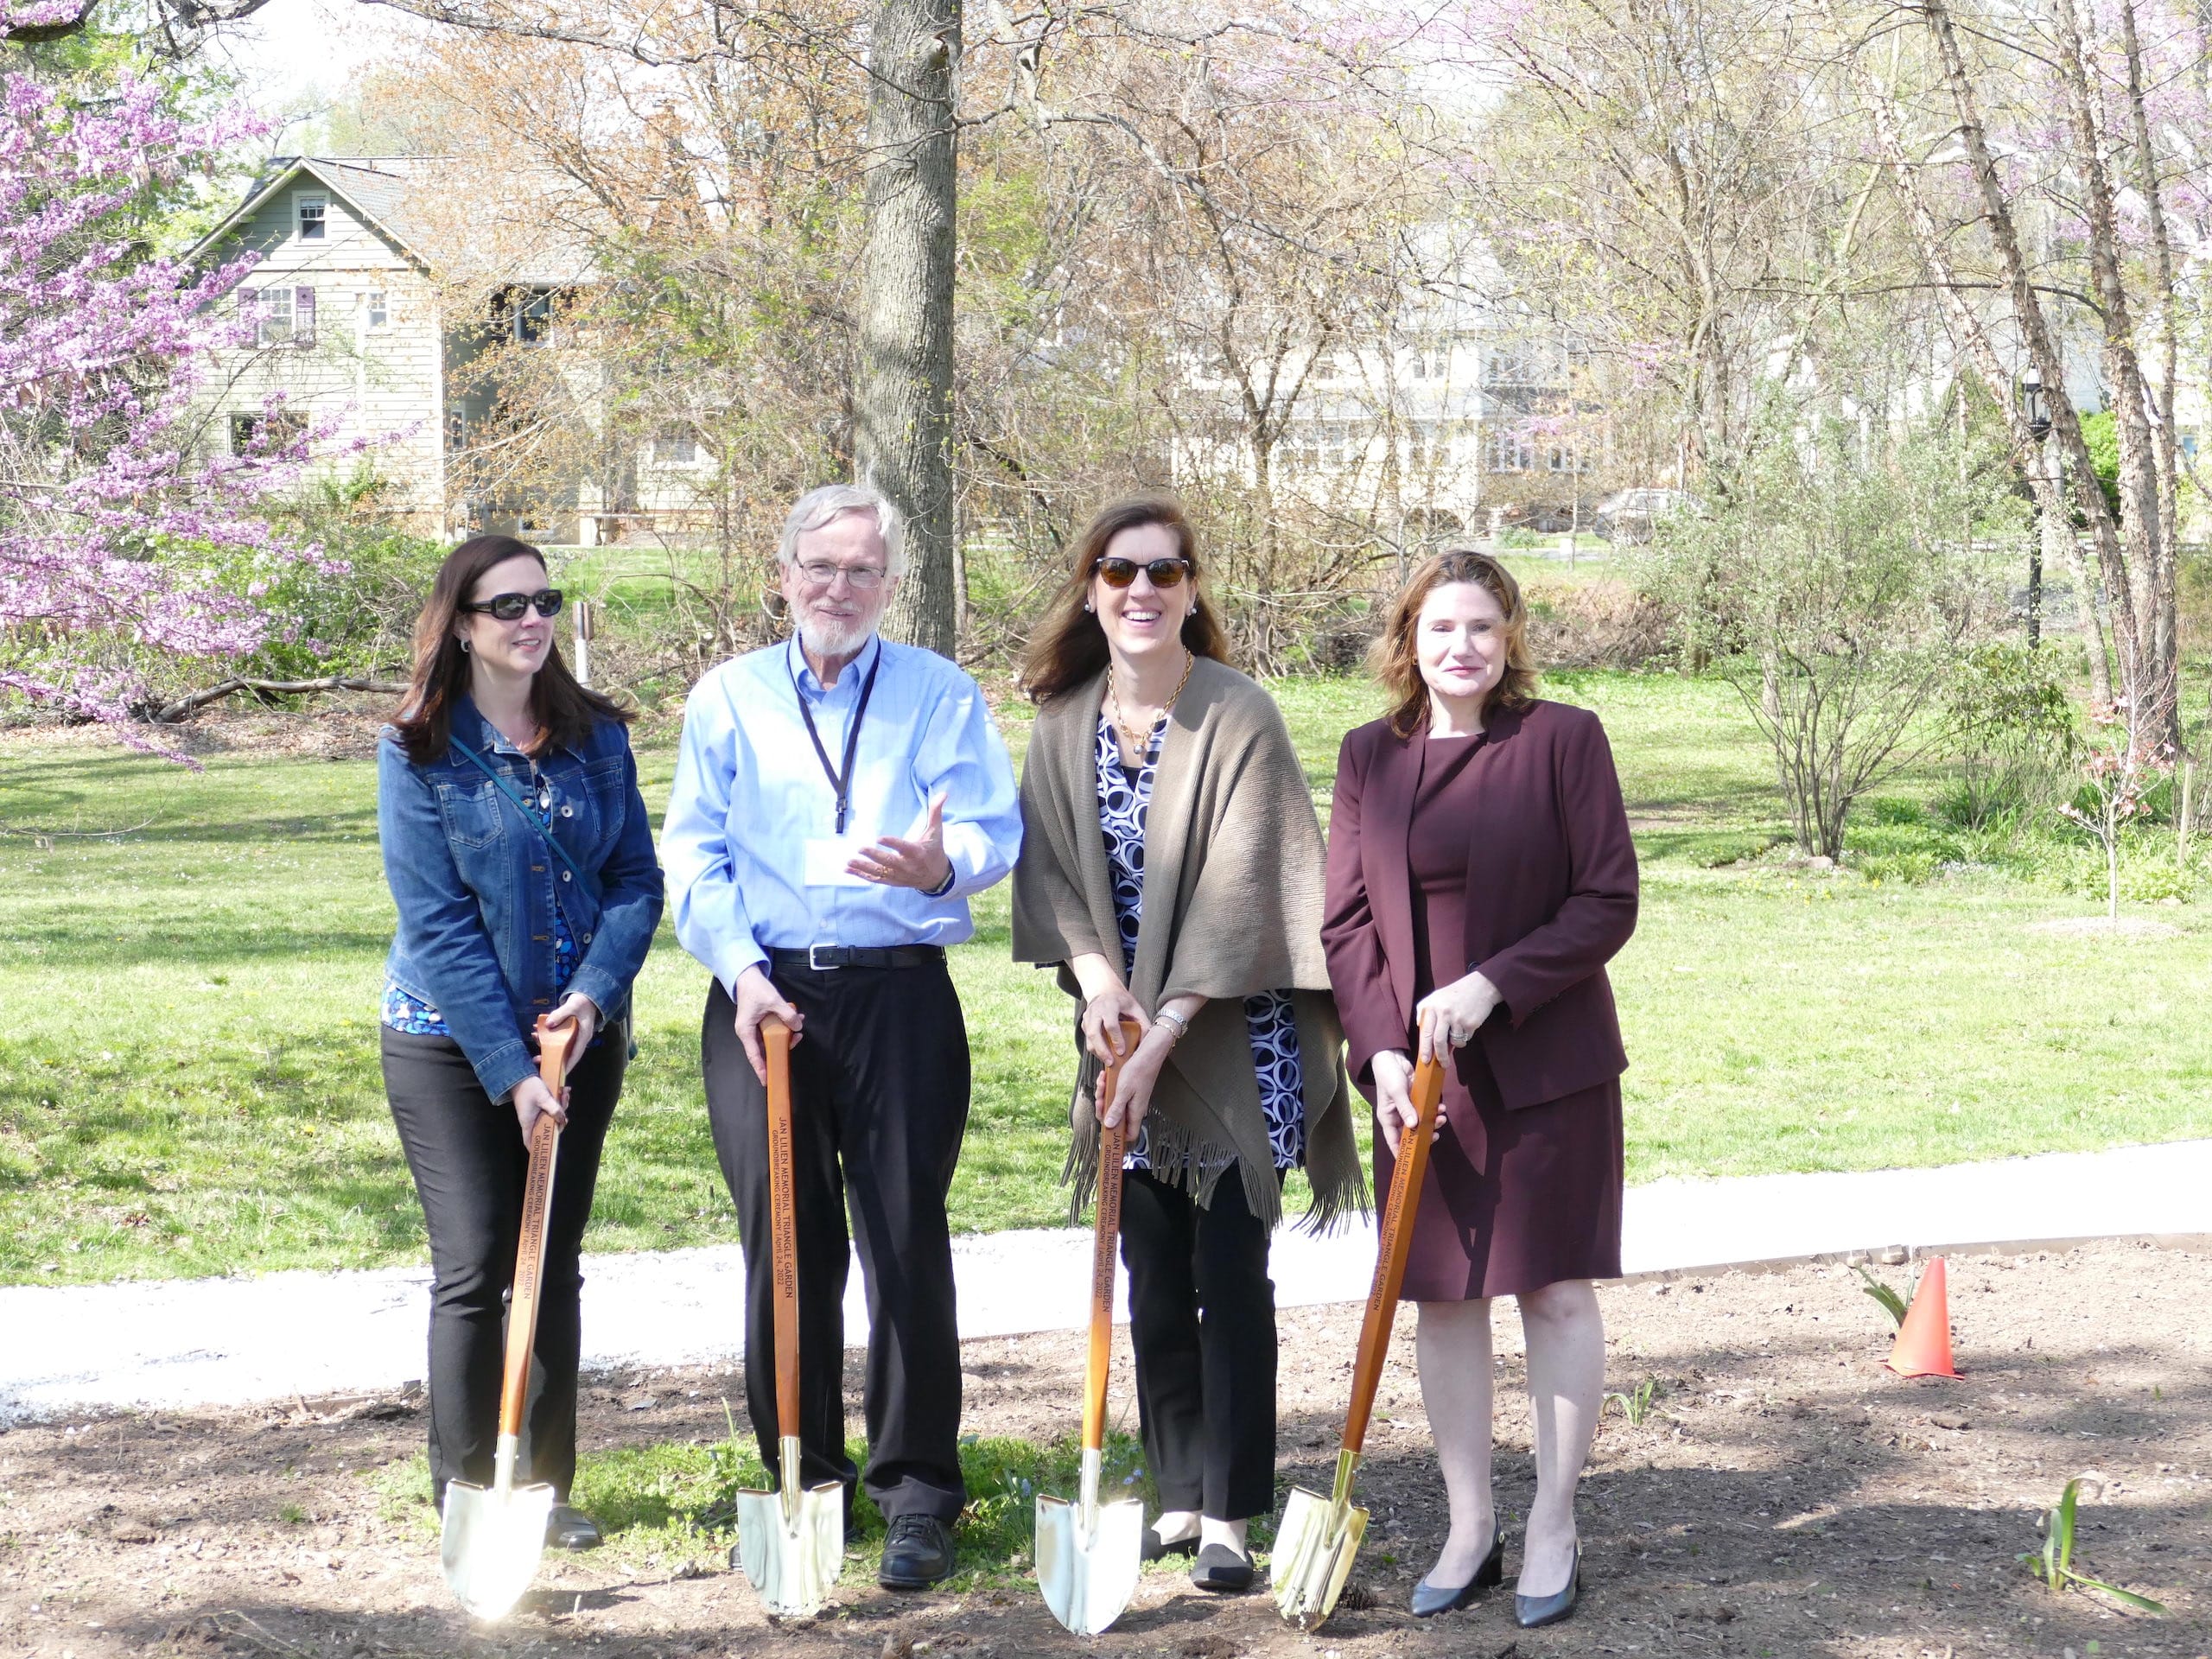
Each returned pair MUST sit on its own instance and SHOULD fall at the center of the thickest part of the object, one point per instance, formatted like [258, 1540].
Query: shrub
[1829, 579]
[2015, 728]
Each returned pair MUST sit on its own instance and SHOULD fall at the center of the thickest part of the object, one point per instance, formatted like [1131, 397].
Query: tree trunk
[902, 398]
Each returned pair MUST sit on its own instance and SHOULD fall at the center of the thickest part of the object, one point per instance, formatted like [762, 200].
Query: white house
[379, 281]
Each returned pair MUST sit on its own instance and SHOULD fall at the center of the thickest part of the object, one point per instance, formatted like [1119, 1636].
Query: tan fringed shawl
[1232, 907]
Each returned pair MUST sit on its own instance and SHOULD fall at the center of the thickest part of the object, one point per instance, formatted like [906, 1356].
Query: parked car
[1632, 515]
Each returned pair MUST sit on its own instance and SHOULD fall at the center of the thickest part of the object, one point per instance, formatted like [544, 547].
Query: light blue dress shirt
[750, 793]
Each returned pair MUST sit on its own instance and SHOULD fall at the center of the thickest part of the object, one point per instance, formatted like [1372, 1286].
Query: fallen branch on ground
[175, 711]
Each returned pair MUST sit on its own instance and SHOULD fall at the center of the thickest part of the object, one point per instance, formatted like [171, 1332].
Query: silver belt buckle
[817, 966]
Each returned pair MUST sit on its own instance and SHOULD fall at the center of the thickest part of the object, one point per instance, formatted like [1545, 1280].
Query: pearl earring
[1086, 607]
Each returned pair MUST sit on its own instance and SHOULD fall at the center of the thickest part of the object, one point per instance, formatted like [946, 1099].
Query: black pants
[470, 1161]
[1202, 1320]
[879, 1103]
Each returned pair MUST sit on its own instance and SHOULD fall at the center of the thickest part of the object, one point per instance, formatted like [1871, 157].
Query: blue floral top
[411, 1014]
[1124, 797]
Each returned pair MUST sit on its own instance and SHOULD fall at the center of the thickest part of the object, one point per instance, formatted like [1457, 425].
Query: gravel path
[215, 1342]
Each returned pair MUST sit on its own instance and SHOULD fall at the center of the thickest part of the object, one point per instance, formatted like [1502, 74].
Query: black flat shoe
[1529, 1612]
[1222, 1570]
[916, 1554]
[1153, 1550]
[1431, 1600]
[571, 1529]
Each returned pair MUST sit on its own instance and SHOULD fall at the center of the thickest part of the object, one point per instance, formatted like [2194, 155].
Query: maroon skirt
[1513, 1201]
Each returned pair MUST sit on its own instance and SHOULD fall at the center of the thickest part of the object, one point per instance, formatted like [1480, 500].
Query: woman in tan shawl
[1172, 870]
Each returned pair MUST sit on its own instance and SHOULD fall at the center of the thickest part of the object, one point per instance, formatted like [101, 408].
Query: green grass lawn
[187, 1063]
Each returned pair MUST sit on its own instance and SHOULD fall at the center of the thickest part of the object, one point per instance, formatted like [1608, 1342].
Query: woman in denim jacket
[518, 853]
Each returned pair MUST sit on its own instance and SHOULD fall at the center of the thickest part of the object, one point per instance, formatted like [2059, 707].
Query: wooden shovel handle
[783, 1221]
[553, 1043]
[1105, 1235]
[1396, 1239]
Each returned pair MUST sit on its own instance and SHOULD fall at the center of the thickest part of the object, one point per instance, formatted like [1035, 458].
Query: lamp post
[2035, 408]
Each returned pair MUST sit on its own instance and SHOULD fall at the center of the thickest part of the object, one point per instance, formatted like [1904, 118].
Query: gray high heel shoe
[1430, 1600]
[1529, 1612]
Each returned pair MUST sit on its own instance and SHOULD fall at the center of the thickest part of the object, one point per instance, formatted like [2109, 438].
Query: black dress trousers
[1202, 1323]
[470, 1164]
[879, 1104]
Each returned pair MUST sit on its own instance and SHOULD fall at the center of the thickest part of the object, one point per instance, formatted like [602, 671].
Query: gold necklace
[1141, 744]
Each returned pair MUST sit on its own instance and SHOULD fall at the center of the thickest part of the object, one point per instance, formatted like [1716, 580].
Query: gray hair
[819, 507]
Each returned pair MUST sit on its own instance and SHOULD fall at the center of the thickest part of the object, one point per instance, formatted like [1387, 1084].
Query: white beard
[825, 638]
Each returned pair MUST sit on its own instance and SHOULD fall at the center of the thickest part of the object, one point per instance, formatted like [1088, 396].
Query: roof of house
[405, 200]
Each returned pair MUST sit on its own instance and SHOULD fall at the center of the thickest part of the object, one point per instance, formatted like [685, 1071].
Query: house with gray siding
[378, 281]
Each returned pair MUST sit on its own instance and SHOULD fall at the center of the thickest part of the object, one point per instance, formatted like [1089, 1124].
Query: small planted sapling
[1636, 1403]
[1892, 1304]
[2053, 1563]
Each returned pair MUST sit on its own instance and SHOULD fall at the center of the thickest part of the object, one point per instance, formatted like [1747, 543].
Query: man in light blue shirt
[837, 798]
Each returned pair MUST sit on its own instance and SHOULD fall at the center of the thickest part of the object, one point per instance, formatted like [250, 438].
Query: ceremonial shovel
[792, 1542]
[494, 1536]
[1088, 1554]
[1319, 1536]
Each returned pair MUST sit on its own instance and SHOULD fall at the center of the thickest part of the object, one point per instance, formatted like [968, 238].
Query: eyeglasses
[863, 577]
[546, 601]
[1120, 573]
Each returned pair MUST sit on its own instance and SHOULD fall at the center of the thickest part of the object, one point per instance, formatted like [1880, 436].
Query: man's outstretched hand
[920, 863]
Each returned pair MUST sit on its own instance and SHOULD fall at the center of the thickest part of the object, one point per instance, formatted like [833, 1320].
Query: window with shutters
[279, 315]
[270, 311]
[314, 213]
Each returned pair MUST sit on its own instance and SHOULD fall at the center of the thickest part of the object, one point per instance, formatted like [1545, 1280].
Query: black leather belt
[822, 958]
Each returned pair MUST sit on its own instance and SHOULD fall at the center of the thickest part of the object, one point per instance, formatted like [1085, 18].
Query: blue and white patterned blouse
[404, 1013]
[1124, 798]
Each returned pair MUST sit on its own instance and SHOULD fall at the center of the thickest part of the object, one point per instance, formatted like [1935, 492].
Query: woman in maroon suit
[1480, 876]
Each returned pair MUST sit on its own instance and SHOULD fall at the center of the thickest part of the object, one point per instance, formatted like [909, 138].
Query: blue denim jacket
[476, 886]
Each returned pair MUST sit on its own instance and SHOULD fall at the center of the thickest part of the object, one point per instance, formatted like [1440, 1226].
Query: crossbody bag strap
[521, 806]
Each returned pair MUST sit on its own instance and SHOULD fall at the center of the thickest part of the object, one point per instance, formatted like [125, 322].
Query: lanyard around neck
[841, 782]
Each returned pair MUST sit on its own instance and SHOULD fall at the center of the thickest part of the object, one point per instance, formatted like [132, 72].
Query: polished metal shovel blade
[1314, 1546]
[492, 1543]
[1087, 1575]
[792, 1544]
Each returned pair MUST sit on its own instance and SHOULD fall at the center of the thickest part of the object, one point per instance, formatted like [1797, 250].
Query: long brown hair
[1394, 659]
[1069, 646]
[564, 710]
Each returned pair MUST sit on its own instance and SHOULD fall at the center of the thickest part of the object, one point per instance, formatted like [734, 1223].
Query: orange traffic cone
[1923, 1344]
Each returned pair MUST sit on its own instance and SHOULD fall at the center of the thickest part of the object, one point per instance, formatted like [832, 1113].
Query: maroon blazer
[1551, 897]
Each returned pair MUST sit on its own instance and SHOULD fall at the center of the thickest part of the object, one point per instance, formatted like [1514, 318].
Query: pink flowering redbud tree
[122, 527]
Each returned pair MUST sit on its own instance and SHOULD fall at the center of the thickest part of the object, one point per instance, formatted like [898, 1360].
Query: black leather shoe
[571, 1529]
[1430, 1600]
[1529, 1612]
[916, 1554]
[1153, 1550]
[1222, 1570]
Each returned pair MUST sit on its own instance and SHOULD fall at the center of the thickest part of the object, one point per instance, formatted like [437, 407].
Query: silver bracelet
[1174, 1022]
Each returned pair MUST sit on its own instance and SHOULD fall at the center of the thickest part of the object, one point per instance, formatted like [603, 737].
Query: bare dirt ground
[1785, 1496]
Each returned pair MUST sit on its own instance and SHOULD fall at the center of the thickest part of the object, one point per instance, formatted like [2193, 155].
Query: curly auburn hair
[1394, 659]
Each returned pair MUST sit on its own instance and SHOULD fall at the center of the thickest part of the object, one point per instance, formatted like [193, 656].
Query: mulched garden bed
[1783, 1495]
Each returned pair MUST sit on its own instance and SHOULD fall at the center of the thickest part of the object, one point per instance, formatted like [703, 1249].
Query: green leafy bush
[2017, 728]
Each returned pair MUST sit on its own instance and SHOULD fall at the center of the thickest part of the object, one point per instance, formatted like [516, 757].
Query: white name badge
[827, 856]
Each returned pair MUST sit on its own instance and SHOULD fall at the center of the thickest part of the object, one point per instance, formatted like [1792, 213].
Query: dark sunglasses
[546, 601]
[1120, 573]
